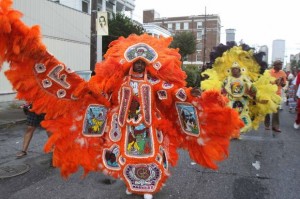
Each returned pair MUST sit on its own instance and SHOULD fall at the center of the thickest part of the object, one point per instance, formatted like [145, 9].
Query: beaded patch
[124, 106]
[139, 141]
[165, 160]
[94, 120]
[134, 111]
[152, 80]
[159, 136]
[142, 177]
[188, 118]
[146, 102]
[40, 68]
[180, 94]
[238, 105]
[61, 93]
[162, 94]
[110, 157]
[115, 131]
[122, 160]
[157, 65]
[140, 50]
[158, 158]
[46, 83]
[167, 85]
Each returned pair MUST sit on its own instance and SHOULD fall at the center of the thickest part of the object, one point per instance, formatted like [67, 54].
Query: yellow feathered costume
[265, 101]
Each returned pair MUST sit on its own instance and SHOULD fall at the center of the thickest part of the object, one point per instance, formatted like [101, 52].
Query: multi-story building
[156, 31]
[278, 50]
[111, 6]
[206, 29]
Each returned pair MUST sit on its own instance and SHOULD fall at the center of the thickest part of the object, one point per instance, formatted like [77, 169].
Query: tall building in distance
[278, 50]
[230, 35]
[206, 29]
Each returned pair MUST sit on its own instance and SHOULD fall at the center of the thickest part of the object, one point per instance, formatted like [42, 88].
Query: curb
[12, 123]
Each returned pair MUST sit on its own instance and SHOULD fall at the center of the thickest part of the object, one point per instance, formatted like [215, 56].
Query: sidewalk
[11, 113]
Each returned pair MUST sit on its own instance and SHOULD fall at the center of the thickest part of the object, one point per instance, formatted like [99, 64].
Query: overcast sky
[257, 22]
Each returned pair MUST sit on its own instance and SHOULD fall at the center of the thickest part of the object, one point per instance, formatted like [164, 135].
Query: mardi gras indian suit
[250, 93]
[124, 124]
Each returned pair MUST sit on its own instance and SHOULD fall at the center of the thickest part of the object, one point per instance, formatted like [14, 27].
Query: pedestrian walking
[280, 75]
[33, 121]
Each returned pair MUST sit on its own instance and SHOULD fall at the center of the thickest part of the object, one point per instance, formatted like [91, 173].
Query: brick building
[206, 28]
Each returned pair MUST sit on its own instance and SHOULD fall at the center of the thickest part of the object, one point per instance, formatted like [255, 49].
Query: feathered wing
[267, 101]
[55, 90]
[212, 81]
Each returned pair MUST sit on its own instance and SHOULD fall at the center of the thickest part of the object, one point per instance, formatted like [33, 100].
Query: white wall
[65, 32]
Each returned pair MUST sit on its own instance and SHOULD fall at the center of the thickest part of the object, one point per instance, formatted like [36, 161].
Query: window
[198, 46]
[177, 26]
[170, 26]
[186, 26]
[198, 57]
[85, 6]
[199, 35]
[199, 24]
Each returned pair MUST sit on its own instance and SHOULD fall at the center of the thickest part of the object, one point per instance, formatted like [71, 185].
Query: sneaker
[296, 126]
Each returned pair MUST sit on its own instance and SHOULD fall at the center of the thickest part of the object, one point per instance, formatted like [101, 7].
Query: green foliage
[193, 75]
[186, 42]
[120, 25]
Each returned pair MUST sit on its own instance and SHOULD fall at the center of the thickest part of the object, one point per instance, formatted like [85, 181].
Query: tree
[120, 25]
[193, 75]
[186, 42]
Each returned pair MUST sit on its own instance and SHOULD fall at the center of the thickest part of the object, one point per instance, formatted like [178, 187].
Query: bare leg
[27, 137]
[26, 141]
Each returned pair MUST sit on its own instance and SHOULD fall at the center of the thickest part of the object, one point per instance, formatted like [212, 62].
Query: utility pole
[93, 41]
[204, 38]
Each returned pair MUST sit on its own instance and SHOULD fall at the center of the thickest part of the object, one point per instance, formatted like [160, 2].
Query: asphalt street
[262, 165]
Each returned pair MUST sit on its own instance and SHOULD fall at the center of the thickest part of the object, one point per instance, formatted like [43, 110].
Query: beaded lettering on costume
[54, 80]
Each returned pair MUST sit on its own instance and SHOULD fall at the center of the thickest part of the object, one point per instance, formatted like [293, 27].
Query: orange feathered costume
[125, 127]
